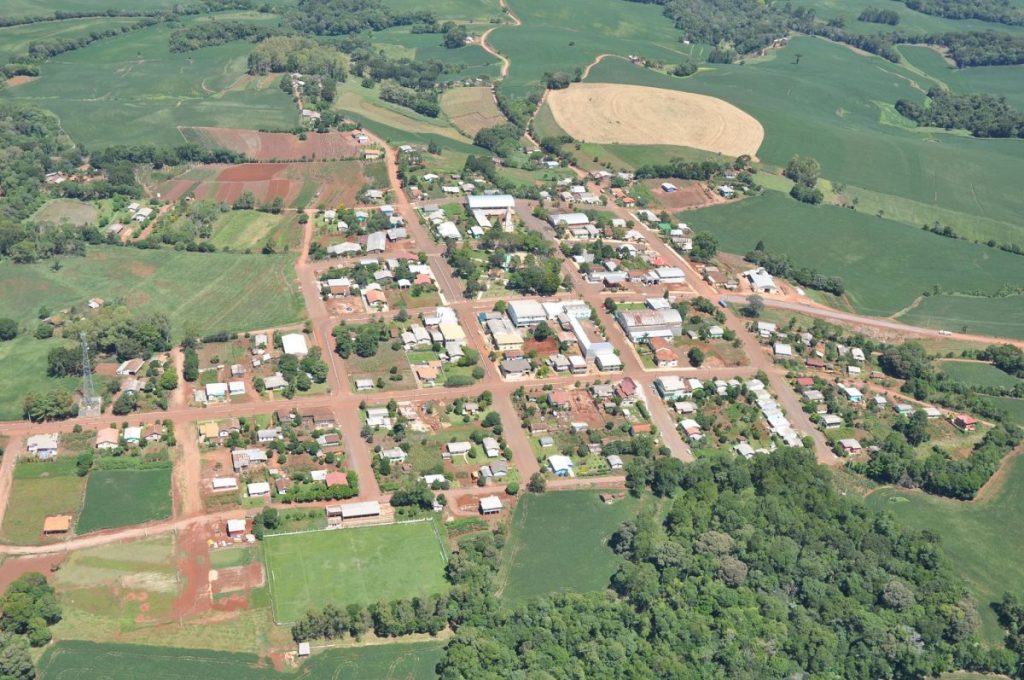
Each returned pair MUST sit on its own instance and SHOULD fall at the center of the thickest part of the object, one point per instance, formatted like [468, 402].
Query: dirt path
[14, 447]
[505, 62]
[189, 471]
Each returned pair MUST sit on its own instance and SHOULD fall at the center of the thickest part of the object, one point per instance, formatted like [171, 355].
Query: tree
[169, 379]
[705, 246]
[190, 369]
[125, 404]
[63, 361]
[803, 170]
[8, 329]
[914, 428]
[15, 661]
[754, 306]
[696, 356]
[542, 331]
[455, 37]
[44, 331]
[538, 483]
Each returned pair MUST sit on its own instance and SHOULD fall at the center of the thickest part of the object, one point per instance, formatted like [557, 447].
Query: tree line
[780, 265]
[983, 115]
[213, 33]
[997, 11]
[341, 17]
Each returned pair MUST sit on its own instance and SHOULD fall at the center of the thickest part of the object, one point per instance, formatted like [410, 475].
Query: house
[491, 447]
[608, 362]
[639, 428]
[132, 434]
[569, 220]
[395, 454]
[627, 390]
[879, 400]
[224, 483]
[130, 367]
[903, 409]
[615, 462]
[258, 489]
[964, 423]
[268, 435]
[852, 393]
[217, 391]
[766, 329]
[363, 384]
[328, 440]
[295, 344]
[782, 350]
[236, 527]
[57, 524]
[431, 480]
[546, 442]
[376, 242]
[684, 407]
[931, 412]
[319, 418]
[490, 505]
[560, 465]
[691, 428]
[671, 387]
[236, 387]
[814, 396]
[377, 417]
[452, 332]
[44, 446]
[374, 296]
[660, 323]
[761, 281]
[515, 368]
[504, 335]
[525, 312]
[668, 187]
[857, 353]
[670, 275]
[850, 446]
[427, 373]
[498, 468]
[831, 421]
[275, 382]
[107, 438]
[457, 449]
[716, 332]
[153, 433]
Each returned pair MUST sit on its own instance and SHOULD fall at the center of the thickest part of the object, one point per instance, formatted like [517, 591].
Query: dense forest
[291, 54]
[981, 114]
[998, 11]
[778, 264]
[759, 569]
[342, 17]
[212, 33]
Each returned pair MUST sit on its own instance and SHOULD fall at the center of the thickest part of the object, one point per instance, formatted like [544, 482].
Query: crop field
[79, 660]
[31, 8]
[38, 491]
[1000, 316]
[117, 498]
[395, 123]
[558, 541]
[835, 107]
[241, 230]
[353, 566]
[982, 539]
[884, 265]
[570, 34]
[216, 291]
[1014, 408]
[471, 109]
[330, 183]
[15, 40]
[976, 373]
[910, 20]
[465, 10]
[468, 62]
[276, 146]
[131, 90]
[630, 114]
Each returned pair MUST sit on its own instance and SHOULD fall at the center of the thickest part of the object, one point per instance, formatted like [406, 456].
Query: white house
[294, 343]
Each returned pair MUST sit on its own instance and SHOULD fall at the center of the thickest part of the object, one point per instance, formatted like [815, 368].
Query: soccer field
[360, 565]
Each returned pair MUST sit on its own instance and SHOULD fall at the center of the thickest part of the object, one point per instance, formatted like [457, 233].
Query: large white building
[294, 343]
[486, 207]
[525, 312]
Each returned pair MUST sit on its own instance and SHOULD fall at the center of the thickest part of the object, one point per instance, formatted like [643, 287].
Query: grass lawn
[358, 565]
[250, 229]
[983, 539]
[379, 365]
[61, 210]
[216, 291]
[884, 265]
[29, 355]
[231, 557]
[975, 373]
[40, 490]
[79, 660]
[558, 542]
[1013, 407]
[117, 498]
[130, 90]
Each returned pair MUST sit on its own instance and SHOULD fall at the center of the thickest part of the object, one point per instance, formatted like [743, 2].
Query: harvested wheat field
[276, 146]
[605, 113]
[471, 109]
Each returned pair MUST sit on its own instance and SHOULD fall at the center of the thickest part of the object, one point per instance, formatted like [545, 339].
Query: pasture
[215, 291]
[463, 10]
[29, 355]
[836, 106]
[242, 230]
[998, 316]
[977, 373]
[41, 489]
[471, 109]
[982, 539]
[630, 114]
[31, 8]
[359, 565]
[465, 63]
[131, 90]
[884, 265]
[15, 40]
[1014, 408]
[60, 210]
[558, 541]
[117, 498]
[80, 660]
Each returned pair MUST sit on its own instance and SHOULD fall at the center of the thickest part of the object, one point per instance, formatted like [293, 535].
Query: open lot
[353, 566]
[29, 355]
[471, 109]
[130, 90]
[117, 498]
[630, 114]
[216, 291]
[41, 489]
[79, 660]
[250, 229]
[276, 146]
[977, 373]
[982, 539]
[61, 210]
[558, 542]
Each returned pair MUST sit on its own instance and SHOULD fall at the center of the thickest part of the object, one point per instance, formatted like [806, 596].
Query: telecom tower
[91, 404]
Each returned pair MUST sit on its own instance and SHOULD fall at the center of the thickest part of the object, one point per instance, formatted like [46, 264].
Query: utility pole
[91, 404]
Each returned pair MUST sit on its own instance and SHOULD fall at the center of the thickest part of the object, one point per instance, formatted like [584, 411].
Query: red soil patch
[194, 568]
[543, 348]
[19, 80]
[17, 566]
[281, 146]
[248, 172]
[176, 189]
[689, 195]
[238, 579]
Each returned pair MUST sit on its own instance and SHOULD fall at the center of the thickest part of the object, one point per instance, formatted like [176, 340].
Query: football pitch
[360, 565]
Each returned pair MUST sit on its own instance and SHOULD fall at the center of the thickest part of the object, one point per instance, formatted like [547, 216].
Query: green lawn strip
[975, 373]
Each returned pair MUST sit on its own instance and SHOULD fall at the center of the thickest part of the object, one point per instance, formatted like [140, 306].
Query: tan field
[471, 109]
[604, 113]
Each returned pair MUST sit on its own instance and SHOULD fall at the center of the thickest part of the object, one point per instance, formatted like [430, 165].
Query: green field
[73, 212]
[884, 265]
[558, 542]
[117, 498]
[77, 660]
[1013, 407]
[910, 20]
[38, 491]
[241, 230]
[361, 565]
[462, 10]
[20, 8]
[213, 290]
[973, 373]
[471, 61]
[131, 90]
[29, 356]
[15, 40]
[984, 540]
[1001, 316]
[836, 106]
